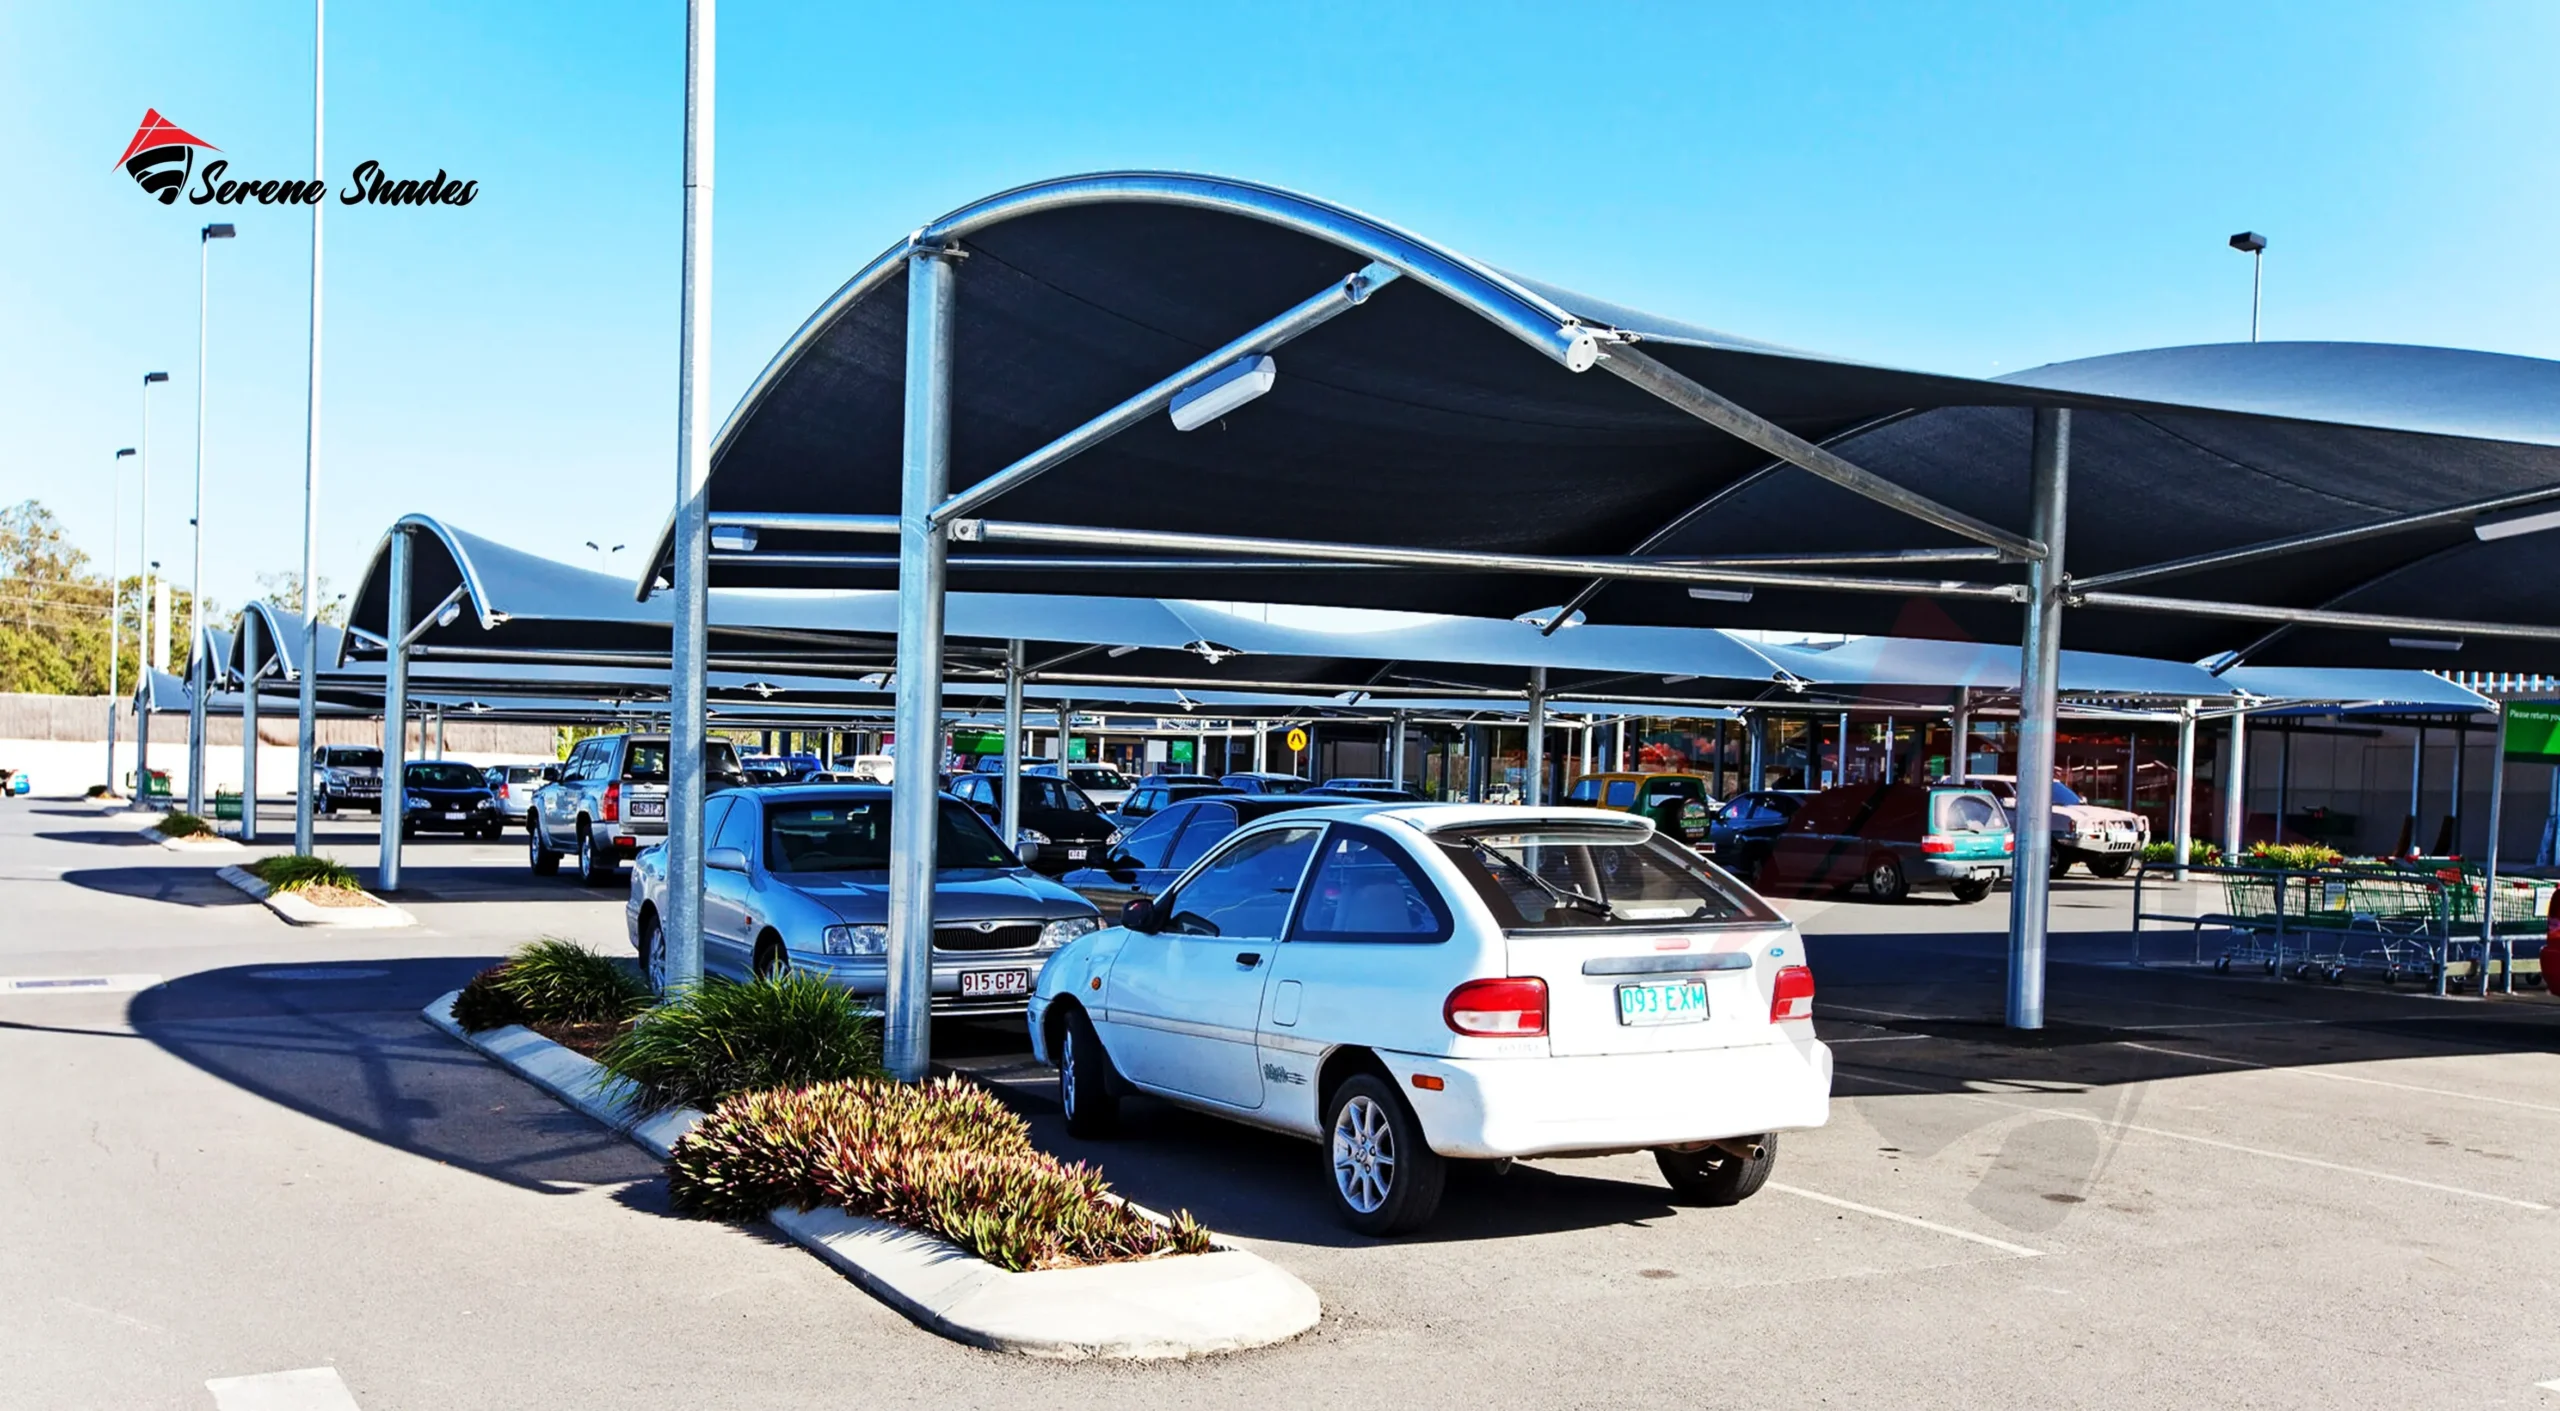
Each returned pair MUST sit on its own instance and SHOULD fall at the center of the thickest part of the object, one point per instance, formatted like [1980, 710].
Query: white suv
[1413, 983]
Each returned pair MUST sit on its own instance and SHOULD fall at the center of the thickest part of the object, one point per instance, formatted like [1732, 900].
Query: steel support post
[1536, 793]
[922, 553]
[1959, 730]
[250, 649]
[2182, 809]
[1066, 726]
[1618, 759]
[688, 708]
[1396, 774]
[199, 686]
[2038, 703]
[1013, 744]
[2235, 790]
[2489, 869]
[307, 684]
[1262, 747]
[395, 710]
[2417, 787]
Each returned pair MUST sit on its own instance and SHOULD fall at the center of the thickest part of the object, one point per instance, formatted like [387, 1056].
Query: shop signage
[2533, 730]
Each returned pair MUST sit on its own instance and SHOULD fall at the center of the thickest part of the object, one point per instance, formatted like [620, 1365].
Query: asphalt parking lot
[245, 1153]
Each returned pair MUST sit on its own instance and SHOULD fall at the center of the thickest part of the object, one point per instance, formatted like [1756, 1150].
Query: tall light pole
[115, 609]
[142, 620]
[680, 944]
[2254, 245]
[604, 556]
[195, 522]
[307, 702]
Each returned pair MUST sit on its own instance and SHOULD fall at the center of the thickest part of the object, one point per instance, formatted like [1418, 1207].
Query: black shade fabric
[1427, 418]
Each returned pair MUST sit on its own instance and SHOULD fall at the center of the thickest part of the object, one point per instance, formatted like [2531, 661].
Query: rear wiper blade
[1564, 896]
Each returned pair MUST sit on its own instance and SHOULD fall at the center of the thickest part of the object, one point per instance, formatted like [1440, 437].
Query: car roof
[1433, 817]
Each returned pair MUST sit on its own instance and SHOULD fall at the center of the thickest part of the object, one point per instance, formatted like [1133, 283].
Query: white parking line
[2297, 1160]
[2021, 1251]
[2347, 1078]
[1879, 1039]
[75, 984]
[310, 1389]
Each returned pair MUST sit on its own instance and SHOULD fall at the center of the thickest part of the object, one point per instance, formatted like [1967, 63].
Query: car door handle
[1248, 958]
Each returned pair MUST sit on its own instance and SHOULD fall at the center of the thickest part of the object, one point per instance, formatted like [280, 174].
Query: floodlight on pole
[115, 608]
[195, 523]
[2254, 245]
[306, 694]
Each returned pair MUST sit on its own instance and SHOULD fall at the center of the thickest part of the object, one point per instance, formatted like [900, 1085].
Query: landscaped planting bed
[315, 879]
[560, 990]
[181, 824]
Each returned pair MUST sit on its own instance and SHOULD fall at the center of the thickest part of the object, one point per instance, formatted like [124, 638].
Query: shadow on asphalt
[101, 838]
[181, 886]
[343, 1042]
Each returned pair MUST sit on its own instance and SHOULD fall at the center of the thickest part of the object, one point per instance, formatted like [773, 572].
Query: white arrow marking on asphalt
[310, 1389]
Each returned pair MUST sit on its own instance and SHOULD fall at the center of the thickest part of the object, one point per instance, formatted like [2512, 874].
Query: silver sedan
[798, 876]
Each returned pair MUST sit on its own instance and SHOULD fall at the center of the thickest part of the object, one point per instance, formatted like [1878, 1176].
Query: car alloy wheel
[1364, 1154]
[1092, 1109]
[1884, 880]
[653, 953]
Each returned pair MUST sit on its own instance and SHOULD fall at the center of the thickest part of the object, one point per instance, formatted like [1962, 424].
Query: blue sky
[1970, 188]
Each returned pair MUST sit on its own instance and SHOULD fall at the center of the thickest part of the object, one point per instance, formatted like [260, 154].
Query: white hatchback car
[1412, 983]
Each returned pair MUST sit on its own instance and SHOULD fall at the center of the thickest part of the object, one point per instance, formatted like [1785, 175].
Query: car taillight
[1498, 1009]
[1935, 843]
[2009, 843]
[613, 803]
[1794, 996]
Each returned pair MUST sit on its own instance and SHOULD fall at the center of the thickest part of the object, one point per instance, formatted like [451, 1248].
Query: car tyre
[1972, 890]
[1084, 1081]
[1885, 881]
[772, 961]
[2060, 866]
[1713, 1176]
[1385, 1178]
[2111, 868]
[652, 946]
[546, 863]
[595, 868]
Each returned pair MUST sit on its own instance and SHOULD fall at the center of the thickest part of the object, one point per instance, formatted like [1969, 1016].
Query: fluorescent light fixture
[451, 613]
[1676, 680]
[2428, 644]
[2516, 526]
[1118, 652]
[1539, 618]
[1721, 595]
[1211, 652]
[733, 538]
[1223, 391]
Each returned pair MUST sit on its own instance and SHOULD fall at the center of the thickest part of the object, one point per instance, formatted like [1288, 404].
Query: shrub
[293, 872]
[551, 981]
[2290, 857]
[180, 824]
[722, 1037]
[945, 1158]
[97, 791]
[2199, 853]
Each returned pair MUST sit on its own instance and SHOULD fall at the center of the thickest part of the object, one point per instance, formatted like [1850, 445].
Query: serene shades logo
[162, 157]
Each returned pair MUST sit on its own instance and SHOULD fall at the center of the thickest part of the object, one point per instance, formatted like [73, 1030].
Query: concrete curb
[202, 842]
[293, 908]
[1183, 1306]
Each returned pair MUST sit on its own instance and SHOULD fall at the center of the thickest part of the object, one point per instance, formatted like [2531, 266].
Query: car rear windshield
[646, 761]
[445, 776]
[355, 757]
[1969, 813]
[1560, 877]
[852, 835]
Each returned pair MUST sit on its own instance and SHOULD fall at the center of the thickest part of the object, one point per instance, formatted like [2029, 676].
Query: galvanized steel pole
[688, 712]
[922, 551]
[2235, 790]
[1013, 744]
[307, 692]
[1960, 734]
[2182, 823]
[251, 646]
[2489, 868]
[201, 680]
[115, 601]
[1536, 793]
[2030, 882]
[395, 710]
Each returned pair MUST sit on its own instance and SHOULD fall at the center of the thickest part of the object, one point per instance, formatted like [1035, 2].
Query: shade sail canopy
[1887, 664]
[2406, 690]
[1447, 412]
[280, 643]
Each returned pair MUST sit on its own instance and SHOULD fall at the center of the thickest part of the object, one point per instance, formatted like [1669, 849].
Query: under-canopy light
[1118, 652]
[1721, 595]
[1540, 617]
[452, 613]
[2517, 526]
[733, 538]
[1223, 391]
[2428, 644]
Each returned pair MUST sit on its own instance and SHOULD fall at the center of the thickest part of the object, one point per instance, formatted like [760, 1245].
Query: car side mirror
[551, 774]
[1139, 915]
[725, 859]
[1028, 851]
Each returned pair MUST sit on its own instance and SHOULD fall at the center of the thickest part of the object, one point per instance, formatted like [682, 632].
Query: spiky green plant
[723, 1037]
[181, 824]
[2290, 857]
[945, 1158]
[293, 871]
[2199, 853]
[551, 981]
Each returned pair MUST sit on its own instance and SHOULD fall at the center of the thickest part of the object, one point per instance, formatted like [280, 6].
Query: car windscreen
[444, 776]
[1559, 877]
[2064, 798]
[852, 835]
[1095, 776]
[353, 757]
[1054, 794]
